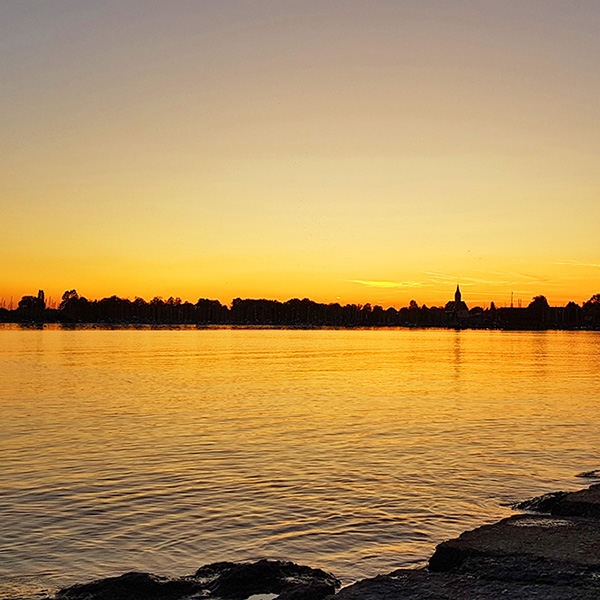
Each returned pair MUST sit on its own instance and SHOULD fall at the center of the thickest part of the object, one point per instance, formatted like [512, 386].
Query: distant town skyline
[76, 309]
[386, 294]
[458, 303]
[348, 152]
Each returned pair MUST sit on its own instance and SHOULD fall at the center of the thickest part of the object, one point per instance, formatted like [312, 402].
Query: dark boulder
[240, 580]
[543, 503]
[308, 591]
[583, 503]
[234, 581]
[590, 474]
[131, 586]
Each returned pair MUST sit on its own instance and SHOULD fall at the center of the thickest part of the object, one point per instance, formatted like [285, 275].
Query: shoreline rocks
[543, 503]
[583, 503]
[534, 540]
[421, 584]
[226, 580]
[551, 556]
[589, 474]
[551, 552]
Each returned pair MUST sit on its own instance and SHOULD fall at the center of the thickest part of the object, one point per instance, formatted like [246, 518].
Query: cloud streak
[576, 263]
[506, 278]
[388, 284]
[444, 283]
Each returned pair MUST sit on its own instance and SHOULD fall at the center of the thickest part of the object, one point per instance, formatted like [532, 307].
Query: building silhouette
[457, 309]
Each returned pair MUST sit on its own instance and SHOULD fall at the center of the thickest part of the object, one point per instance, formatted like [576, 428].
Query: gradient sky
[345, 151]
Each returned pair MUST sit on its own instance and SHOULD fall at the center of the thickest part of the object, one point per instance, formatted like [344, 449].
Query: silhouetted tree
[75, 308]
[413, 313]
[539, 301]
[573, 315]
[31, 308]
[67, 297]
[593, 301]
[538, 310]
[591, 311]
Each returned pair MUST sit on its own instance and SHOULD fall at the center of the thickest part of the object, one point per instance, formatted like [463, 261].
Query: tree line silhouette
[75, 309]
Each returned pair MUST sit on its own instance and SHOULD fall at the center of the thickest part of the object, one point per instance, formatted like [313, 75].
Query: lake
[356, 451]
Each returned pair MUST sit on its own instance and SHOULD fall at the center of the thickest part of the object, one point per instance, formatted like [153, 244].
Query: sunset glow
[346, 152]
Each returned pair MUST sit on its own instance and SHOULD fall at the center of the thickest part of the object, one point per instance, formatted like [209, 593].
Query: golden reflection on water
[353, 450]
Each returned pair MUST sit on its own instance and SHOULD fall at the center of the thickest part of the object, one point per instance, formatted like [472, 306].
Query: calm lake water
[356, 451]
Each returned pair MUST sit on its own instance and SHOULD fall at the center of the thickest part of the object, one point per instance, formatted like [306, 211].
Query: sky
[345, 151]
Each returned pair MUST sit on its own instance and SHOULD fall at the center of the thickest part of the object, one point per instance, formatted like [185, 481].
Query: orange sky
[343, 151]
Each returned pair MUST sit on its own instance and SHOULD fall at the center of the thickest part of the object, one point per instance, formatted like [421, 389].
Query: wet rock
[590, 474]
[423, 585]
[573, 541]
[543, 503]
[309, 591]
[584, 503]
[531, 569]
[131, 586]
[240, 580]
[227, 580]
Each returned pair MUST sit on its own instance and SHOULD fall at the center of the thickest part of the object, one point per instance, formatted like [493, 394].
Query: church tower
[457, 311]
[457, 296]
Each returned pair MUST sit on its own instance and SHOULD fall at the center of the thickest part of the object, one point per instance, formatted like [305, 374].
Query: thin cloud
[504, 278]
[529, 277]
[511, 279]
[576, 263]
[441, 278]
[388, 284]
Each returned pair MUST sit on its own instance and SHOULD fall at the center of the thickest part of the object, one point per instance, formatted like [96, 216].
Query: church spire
[457, 295]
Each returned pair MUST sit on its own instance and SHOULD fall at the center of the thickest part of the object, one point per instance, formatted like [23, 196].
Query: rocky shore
[552, 552]
[226, 580]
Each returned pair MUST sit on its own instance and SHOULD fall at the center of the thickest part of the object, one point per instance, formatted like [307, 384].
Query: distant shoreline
[302, 314]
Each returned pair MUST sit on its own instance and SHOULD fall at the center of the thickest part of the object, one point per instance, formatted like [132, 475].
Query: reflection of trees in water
[541, 359]
[457, 354]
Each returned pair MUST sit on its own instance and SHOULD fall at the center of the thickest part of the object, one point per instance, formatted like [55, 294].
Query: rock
[574, 541]
[235, 581]
[583, 503]
[131, 586]
[590, 474]
[308, 591]
[240, 580]
[422, 585]
[214, 569]
[529, 569]
[542, 503]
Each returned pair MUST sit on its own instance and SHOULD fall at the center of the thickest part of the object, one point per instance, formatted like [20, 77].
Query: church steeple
[457, 295]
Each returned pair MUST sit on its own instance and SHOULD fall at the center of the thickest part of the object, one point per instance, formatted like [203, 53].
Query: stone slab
[570, 540]
[423, 585]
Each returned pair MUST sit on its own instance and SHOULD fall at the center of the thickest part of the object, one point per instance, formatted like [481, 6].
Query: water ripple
[354, 451]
